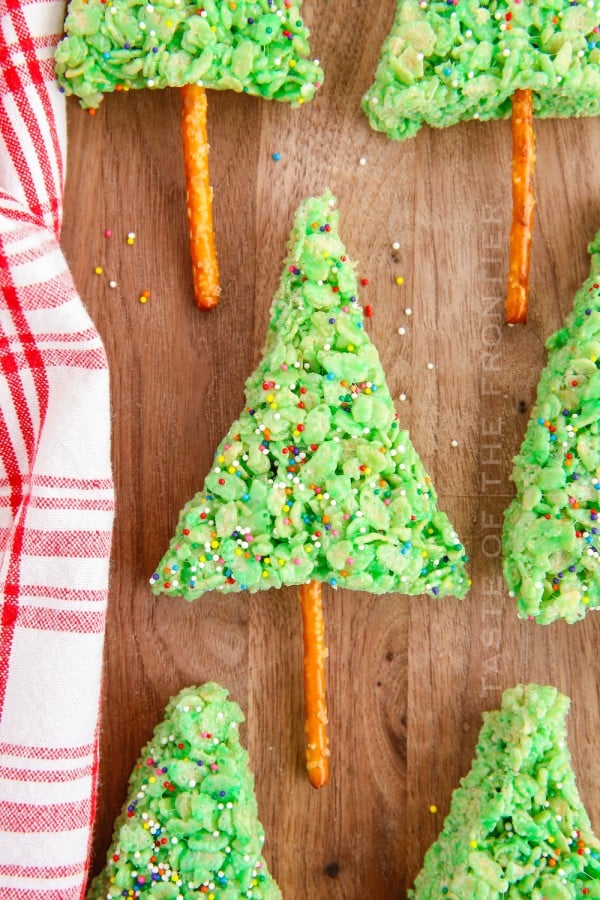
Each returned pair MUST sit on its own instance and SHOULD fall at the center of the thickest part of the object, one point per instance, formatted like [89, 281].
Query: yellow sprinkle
[308, 548]
[292, 63]
[423, 553]
[281, 562]
[399, 279]
[368, 391]
[152, 779]
[350, 348]
[202, 559]
[214, 544]
[144, 296]
[286, 508]
[433, 808]
[273, 406]
[270, 398]
[267, 560]
[213, 27]
[238, 552]
[265, 574]
[473, 843]
[98, 270]
[231, 470]
[220, 458]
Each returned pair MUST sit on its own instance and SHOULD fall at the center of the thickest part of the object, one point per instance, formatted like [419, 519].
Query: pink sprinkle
[346, 516]
[284, 367]
[227, 446]
[345, 309]
[335, 532]
[249, 538]
[213, 767]
[387, 501]
[107, 233]
[350, 561]
[258, 557]
[296, 561]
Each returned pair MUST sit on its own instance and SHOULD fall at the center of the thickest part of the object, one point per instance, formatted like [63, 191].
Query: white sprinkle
[362, 161]
[112, 284]
[402, 330]
[408, 311]
[396, 245]
[430, 365]
[454, 443]
[402, 397]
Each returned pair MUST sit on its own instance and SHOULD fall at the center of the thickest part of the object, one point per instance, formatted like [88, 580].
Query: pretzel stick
[199, 197]
[315, 653]
[523, 204]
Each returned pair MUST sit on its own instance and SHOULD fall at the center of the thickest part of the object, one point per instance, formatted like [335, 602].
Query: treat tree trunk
[523, 165]
[199, 196]
[315, 653]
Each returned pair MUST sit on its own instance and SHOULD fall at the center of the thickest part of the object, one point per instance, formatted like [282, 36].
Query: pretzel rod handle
[315, 653]
[523, 204]
[199, 196]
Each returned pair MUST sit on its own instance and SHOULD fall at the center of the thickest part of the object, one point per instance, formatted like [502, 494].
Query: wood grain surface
[408, 678]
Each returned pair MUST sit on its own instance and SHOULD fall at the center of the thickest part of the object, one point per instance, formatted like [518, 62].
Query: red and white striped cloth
[56, 490]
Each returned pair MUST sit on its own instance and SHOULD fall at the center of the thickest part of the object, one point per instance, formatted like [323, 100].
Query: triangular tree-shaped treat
[316, 481]
[446, 61]
[189, 828]
[551, 535]
[253, 48]
[516, 826]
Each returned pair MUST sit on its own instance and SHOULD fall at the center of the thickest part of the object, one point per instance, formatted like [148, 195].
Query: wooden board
[408, 679]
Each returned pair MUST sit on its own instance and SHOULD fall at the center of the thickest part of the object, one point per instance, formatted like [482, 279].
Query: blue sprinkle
[277, 157]
[435, 590]
[330, 376]
[333, 582]
[245, 497]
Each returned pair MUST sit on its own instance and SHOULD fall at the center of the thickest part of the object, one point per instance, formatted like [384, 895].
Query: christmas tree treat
[189, 828]
[551, 538]
[516, 826]
[259, 48]
[444, 62]
[316, 481]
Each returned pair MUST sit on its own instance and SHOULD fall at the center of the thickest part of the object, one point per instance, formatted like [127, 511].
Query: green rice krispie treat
[516, 826]
[449, 60]
[189, 829]
[551, 539]
[315, 480]
[260, 48]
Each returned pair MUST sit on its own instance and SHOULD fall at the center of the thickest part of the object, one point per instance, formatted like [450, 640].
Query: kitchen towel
[56, 488]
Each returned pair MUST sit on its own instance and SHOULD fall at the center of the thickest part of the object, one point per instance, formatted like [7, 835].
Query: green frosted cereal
[444, 62]
[189, 828]
[516, 826]
[259, 48]
[551, 537]
[315, 480]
